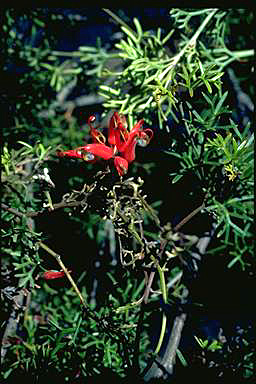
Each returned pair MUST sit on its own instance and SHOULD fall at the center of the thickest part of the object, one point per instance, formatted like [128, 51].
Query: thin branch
[189, 217]
[37, 213]
[12, 210]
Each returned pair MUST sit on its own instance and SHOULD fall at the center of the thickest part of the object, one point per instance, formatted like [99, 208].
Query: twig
[189, 217]
[12, 210]
[37, 213]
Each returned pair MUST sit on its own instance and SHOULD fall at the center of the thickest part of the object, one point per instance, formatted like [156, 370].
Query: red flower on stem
[122, 143]
[49, 275]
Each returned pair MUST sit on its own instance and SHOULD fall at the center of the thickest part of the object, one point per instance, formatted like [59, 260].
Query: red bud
[49, 275]
[121, 165]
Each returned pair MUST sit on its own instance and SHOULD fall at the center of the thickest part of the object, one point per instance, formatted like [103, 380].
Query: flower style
[122, 143]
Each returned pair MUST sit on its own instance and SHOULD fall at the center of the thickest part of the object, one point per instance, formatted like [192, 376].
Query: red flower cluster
[121, 142]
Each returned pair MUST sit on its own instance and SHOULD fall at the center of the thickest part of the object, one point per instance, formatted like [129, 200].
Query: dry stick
[148, 286]
[188, 217]
[12, 210]
[37, 213]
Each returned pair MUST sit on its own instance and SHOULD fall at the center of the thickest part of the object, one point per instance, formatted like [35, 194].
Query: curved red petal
[117, 130]
[137, 126]
[149, 133]
[113, 124]
[121, 165]
[128, 150]
[128, 147]
[100, 150]
[97, 136]
[144, 137]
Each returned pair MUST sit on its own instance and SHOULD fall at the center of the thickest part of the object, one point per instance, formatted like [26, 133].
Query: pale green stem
[164, 294]
[237, 54]
[161, 337]
[49, 199]
[129, 306]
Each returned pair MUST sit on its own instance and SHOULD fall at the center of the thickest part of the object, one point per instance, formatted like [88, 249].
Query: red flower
[121, 147]
[49, 275]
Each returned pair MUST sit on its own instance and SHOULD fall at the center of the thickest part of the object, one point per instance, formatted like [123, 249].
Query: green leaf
[47, 66]
[216, 77]
[52, 322]
[25, 144]
[198, 117]
[182, 358]
[234, 126]
[235, 146]
[58, 347]
[174, 116]
[167, 37]
[87, 49]
[239, 230]
[53, 80]
[176, 178]
[242, 145]
[24, 281]
[174, 154]
[208, 99]
[110, 90]
[220, 103]
[208, 86]
[130, 33]
[39, 22]
[138, 27]
[200, 138]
